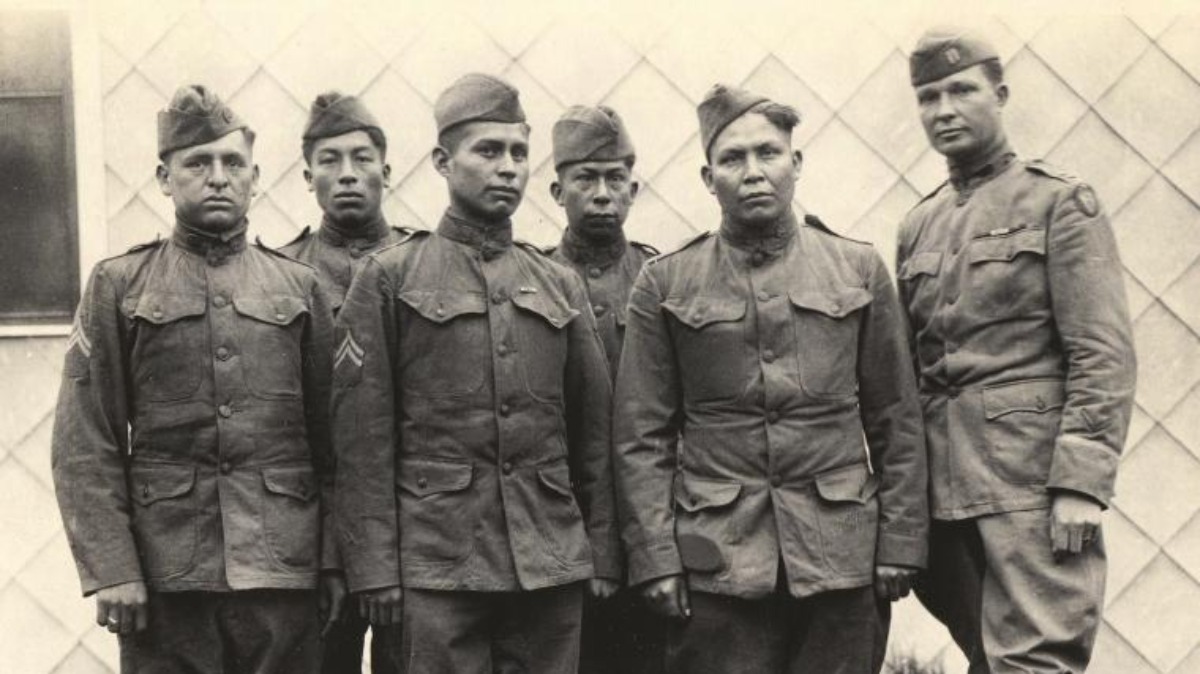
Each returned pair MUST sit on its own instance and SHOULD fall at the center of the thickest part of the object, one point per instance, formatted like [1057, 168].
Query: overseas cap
[590, 134]
[195, 116]
[721, 105]
[945, 51]
[476, 97]
[333, 114]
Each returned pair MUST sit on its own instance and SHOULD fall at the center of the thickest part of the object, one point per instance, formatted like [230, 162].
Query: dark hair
[449, 138]
[993, 70]
[376, 135]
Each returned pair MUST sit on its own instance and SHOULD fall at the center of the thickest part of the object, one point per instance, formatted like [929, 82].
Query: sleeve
[364, 437]
[318, 349]
[902, 287]
[1088, 299]
[588, 389]
[646, 422]
[891, 419]
[89, 447]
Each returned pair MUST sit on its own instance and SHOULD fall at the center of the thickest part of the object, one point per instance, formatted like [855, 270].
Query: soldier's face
[596, 195]
[211, 184]
[961, 112]
[488, 169]
[753, 170]
[348, 175]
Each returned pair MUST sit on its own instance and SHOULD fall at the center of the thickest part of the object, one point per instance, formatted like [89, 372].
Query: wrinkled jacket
[338, 257]
[608, 283]
[801, 434]
[1021, 339]
[216, 357]
[471, 411]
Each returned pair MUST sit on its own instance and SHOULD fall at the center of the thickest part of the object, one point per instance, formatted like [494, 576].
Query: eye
[520, 153]
[488, 151]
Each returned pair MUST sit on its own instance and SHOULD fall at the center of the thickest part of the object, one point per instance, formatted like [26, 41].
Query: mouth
[506, 192]
[949, 134]
[218, 202]
[353, 197]
[757, 197]
[602, 218]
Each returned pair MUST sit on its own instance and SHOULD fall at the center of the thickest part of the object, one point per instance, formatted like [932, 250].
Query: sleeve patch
[1085, 197]
[348, 361]
[79, 351]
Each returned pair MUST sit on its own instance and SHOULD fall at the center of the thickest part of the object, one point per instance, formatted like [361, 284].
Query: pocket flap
[833, 303]
[161, 308]
[150, 483]
[554, 312]
[695, 493]
[440, 306]
[276, 310]
[1005, 247]
[853, 484]
[698, 312]
[557, 479]
[422, 478]
[1022, 396]
[297, 482]
[928, 263]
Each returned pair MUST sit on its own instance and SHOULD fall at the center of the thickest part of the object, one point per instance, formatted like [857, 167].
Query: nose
[219, 176]
[754, 171]
[944, 108]
[507, 166]
[603, 194]
[346, 173]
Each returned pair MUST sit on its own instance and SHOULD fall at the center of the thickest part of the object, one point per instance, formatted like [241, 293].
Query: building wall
[1112, 98]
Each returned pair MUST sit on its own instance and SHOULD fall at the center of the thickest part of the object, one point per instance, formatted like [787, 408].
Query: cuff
[902, 549]
[654, 559]
[1085, 466]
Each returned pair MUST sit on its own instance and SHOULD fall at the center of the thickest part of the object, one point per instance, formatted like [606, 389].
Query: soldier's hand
[1074, 523]
[893, 582]
[382, 607]
[668, 597]
[331, 599]
[602, 588]
[122, 608]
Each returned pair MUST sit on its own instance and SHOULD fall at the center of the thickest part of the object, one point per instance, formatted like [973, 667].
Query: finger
[1058, 537]
[881, 588]
[685, 600]
[1075, 539]
[141, 617]
[125, 619]
[364, 610]
[101, 613]
[905, 585]
[397, 613]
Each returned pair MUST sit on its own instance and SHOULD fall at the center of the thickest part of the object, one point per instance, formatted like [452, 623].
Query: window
[39, 272]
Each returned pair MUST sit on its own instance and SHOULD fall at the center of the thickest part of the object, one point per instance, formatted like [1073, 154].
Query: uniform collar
[969, 174]
[490, 239]
[762, 243]
[215, 247]
[337, 235]
[579, 249]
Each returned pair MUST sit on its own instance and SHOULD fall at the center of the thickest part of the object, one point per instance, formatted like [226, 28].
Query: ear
[163, 175]
[387, 175]
[1002, 93]
[797, 163]
[707, 176]
[308, 179]
[440, 157]
[557, 192]
[634, 187]
[254, 182]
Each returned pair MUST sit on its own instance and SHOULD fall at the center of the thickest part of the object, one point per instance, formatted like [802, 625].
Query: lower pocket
[1022, 421]
[291, 515]
[164, 518]
[558, 518]
[704, 521]
[437, 510]
[848, 516]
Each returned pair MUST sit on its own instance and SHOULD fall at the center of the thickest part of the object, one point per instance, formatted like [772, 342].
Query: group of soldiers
[727, 458]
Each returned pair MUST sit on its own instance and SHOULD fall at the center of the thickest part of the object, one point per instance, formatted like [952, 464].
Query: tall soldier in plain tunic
[345, 156]
[793, 508]
[1022, 345]
[191, 453]
[472, 412]
[593, 158]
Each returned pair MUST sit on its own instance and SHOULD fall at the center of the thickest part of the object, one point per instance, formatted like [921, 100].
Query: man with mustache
[1021, 341]
[593, 159]
[472, 411]
[793, 509]
[345, 154]
[191, 444]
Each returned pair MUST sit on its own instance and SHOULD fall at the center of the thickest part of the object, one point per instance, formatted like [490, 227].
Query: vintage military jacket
[782, 365]
[471, 410]
[609, 274]
[338, 254]
[190, 444]
[1021, 338]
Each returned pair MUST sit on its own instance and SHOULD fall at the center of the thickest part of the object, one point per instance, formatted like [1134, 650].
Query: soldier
[345, 154]
[1021, 341]
[471, 411]
[191, 455]
[593, 158]
[794, 508]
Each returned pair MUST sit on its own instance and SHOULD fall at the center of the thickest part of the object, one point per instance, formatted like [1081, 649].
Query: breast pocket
[445, 343]
[1008, 272]
[918, 276]
[710, 340]
[541, 323]
[169, 348]
[271, 329]
[826, 323]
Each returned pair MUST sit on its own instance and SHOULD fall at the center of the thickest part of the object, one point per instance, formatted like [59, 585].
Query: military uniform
[1011, 281]
[338, 254]
[471, 410]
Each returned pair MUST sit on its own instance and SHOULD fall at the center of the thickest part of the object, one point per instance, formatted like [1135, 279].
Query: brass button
[768, 356]
[422, 482]
[219, 301]
[222, 353]
[506, 467]
[498, 298]
[226, 467]
[145, 490]
[835, 308]
[279, 315]
[440, 311]
[763, 296]
[1041, 404]
[504, 409]
[502, 350]
[225, 411]
[773, 416]
[776, 481]
[157, 313]
[757, 258]
[595, 272]
[599, 309]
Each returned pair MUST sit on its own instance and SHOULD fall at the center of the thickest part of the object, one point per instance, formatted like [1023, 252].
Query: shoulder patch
[1085, 198]
[685, 245]
[1042, 168]
[304, 234]
[645, 248]
[816, 223]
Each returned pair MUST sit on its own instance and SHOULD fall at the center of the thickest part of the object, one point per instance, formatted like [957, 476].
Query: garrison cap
[721, 105]
[333, 114]
[195, 116]
[590, 134]
[476, 97]
[945, 51]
